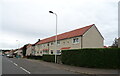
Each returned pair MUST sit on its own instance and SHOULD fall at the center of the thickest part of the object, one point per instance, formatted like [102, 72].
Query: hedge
[95, 58]
[35, 57]
[51, 58]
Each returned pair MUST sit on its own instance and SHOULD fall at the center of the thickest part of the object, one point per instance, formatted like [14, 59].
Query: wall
[119, 42]
[92, 39]
[63, 43]
[29, 51]
[38, 49]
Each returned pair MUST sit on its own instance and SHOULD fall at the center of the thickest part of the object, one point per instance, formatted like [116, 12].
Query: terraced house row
[85, 37]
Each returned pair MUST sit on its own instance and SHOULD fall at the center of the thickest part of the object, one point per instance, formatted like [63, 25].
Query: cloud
[28, 20]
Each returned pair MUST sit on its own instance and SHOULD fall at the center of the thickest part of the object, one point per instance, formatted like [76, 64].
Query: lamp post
[55, 36]
[18, 43]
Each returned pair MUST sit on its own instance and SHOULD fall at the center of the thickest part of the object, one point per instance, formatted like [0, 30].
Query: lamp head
[50, 12]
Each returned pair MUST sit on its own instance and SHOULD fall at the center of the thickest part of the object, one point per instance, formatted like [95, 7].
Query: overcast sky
[26, 21]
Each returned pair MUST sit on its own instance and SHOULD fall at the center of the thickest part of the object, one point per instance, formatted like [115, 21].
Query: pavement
[79, 70]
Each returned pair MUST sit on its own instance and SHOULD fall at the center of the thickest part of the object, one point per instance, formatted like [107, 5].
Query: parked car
[10, 56]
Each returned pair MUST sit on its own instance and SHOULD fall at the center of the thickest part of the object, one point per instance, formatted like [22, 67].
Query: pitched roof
[73, 33]
[36, 42]
[29, 45]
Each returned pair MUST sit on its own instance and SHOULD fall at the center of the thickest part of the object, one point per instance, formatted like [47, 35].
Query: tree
[115, 43]
[24, 49]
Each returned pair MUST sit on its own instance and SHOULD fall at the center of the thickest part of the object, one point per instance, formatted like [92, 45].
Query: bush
[35, 57]
[95, 58]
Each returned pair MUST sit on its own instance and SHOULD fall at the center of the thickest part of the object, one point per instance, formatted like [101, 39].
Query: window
[39, 46]
[51, 43]
[33, 52]
[44, 45]
[46, 51]
[51, 51]
[48, 44]
[75, 40]
[58, 42]
[38, 52]
[58, 51]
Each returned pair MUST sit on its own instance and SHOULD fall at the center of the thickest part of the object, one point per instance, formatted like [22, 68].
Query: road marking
[19, 66]
[15, 64]
[25, 70]
[11, 61]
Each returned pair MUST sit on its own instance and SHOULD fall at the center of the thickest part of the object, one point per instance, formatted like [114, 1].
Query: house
[30, 50]
[19, 52]
[86, 37]
[116, 43]
[7, 52]
[23, 51]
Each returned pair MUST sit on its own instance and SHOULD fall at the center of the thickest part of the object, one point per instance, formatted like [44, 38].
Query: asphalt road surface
[9, 67]
[16, 67]
[23, 66]
[0, 64]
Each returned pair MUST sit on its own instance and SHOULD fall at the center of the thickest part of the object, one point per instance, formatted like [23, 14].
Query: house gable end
[96, 29]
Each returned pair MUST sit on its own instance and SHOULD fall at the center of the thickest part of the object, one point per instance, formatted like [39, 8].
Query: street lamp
[18, 43]
[56, 34]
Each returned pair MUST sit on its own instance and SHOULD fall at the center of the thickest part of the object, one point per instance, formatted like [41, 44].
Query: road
[24, 66]
[0, 64]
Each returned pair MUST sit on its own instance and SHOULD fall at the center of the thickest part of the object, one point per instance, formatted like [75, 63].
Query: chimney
[38, 39]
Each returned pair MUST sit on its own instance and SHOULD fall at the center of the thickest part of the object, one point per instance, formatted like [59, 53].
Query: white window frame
[51, 52]
[58, 52]
[52, 43]
[45, 51]
[77, 40]
[58, 42]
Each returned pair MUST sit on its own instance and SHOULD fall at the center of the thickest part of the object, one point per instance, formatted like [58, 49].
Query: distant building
[30, 51]
[19, 52]
[86, 37]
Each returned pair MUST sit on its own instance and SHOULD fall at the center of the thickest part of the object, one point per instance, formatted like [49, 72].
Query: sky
[26, 21]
